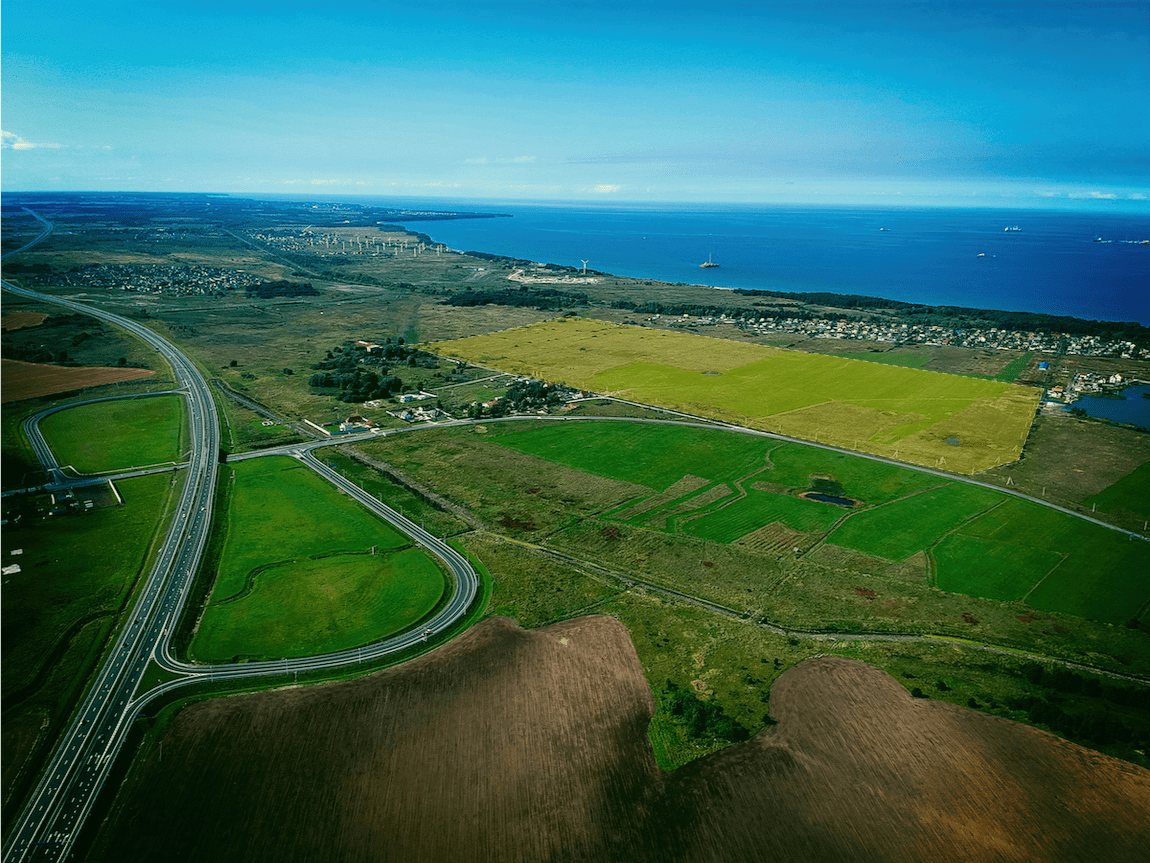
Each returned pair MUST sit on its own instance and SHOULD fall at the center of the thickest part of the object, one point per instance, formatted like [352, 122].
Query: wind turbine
[585, 265]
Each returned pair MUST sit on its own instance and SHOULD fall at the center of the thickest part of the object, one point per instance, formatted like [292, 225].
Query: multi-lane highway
[78, 768]
[69, 786]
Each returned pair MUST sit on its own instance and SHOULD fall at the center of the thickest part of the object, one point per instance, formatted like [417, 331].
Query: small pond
[828, 498]
[1134, 408]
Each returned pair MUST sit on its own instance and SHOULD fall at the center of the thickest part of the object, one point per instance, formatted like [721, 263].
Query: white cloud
[605, 189]
[12, 141]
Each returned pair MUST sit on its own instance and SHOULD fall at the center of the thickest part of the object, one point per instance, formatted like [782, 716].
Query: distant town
[913, 334]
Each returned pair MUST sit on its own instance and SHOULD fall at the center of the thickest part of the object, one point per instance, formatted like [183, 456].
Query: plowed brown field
[531, 746]
[19, 320]
[21, 380]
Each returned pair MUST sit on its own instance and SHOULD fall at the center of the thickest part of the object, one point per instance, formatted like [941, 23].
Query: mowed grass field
[723, 486]
[117, 435]
[297, 575]
[963, 424]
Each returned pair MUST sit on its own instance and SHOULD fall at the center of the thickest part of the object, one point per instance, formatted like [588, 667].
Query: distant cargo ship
[708, 263]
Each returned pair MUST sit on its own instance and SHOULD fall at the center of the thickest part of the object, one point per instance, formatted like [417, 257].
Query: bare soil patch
[21, 380]
[20, 320]
[531, 746]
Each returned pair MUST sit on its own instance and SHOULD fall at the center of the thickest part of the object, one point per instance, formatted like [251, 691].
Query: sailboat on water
[708, 263]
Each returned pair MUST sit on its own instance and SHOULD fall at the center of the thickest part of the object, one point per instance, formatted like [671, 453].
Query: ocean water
[961, 257]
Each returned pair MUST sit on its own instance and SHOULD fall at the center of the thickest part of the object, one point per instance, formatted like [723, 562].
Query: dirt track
[515, 745]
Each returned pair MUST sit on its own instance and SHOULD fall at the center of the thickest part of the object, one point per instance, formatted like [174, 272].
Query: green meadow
[297, 574]
[117, 435]
[722, 486]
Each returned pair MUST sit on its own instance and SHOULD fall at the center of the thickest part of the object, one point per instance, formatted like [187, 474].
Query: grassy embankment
[304, 571]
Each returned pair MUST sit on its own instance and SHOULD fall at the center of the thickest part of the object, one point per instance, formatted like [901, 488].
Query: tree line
[281, 288]
[544, 299]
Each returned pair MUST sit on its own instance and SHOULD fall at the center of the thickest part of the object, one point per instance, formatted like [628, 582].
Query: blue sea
[962, 257]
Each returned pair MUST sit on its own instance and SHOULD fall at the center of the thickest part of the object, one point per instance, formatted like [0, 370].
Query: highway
[78, 768]
[49, 825]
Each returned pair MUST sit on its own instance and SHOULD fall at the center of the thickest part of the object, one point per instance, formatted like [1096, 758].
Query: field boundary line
[1064, 557]
[825, 635]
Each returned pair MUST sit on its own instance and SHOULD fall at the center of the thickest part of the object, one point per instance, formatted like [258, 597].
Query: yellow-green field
[958, 423]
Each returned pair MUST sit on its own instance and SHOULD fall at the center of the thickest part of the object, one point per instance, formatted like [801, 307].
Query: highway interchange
[67, 790]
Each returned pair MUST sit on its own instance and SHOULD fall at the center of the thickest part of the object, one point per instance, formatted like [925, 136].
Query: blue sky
[884, 101]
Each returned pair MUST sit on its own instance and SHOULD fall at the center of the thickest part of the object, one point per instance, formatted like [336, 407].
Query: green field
[761, 508]
[296, 574]
[1102, 574]
[961, 423]
[647, 454]
[340, 601]
[1131, 494]
[980, 542]
[116, 435]
[898, 530]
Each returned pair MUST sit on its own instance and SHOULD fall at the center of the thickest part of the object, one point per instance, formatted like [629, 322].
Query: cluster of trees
[49, 342]
[36, 354]
[351, 369]
[702, 719]
[282, 288]
[521, 396]
[349, 355]
[544, 299]
[1086, 720]
[38, 269]
[360, 385]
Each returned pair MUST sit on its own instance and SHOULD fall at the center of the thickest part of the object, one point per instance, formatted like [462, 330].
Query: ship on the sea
[708, 263]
